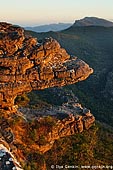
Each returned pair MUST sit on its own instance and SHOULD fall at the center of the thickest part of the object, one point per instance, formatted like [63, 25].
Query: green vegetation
[37, 101]
[92, 147]
[38, 130]
[32, 100]
[22, 100]
[35, 161]
[95, 46]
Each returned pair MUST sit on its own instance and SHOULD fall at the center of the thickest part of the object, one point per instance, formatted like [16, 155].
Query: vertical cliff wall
[26, 65]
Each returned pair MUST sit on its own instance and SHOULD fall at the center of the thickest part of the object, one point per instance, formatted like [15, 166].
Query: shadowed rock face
[26, 65]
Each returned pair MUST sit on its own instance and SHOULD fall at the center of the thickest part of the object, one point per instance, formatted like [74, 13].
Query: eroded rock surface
[26, 64]
[70, 118]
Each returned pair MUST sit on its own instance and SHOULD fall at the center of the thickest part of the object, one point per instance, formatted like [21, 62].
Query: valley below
[49, 117]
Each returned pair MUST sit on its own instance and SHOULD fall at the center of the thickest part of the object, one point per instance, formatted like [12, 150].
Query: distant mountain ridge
[49, 27]
[86, 21]
[93, 21]
[94, 44]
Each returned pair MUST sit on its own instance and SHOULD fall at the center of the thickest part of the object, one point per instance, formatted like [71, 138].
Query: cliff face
[25, 133]
[26, 65]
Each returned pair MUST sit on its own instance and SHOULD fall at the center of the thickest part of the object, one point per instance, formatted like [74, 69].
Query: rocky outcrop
[26, 64]
[71, 118]
[46, 127]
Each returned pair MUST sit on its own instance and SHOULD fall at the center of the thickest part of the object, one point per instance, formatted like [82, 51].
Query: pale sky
[39, 12]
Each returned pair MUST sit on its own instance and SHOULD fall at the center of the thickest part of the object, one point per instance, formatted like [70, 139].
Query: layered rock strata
[71, 118]
[26, 64]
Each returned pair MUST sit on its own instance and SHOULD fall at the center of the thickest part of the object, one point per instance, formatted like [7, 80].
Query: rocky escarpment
[26, 65]
[27, 131]
[68, 119]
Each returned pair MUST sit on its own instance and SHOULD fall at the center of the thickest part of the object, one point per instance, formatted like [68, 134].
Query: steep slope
[92, 21]
[94, 45]
[27, 65]
[91, 149]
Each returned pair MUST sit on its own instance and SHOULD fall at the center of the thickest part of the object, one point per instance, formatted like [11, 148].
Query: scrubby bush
[22, 100]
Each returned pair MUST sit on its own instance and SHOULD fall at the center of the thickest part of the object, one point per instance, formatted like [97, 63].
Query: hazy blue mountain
[49, 27]
[93, 44]
[93, 21]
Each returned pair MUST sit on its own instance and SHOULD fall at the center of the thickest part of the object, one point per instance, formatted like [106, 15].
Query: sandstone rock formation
[22, 137]
[71, 118]
[26, 64]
